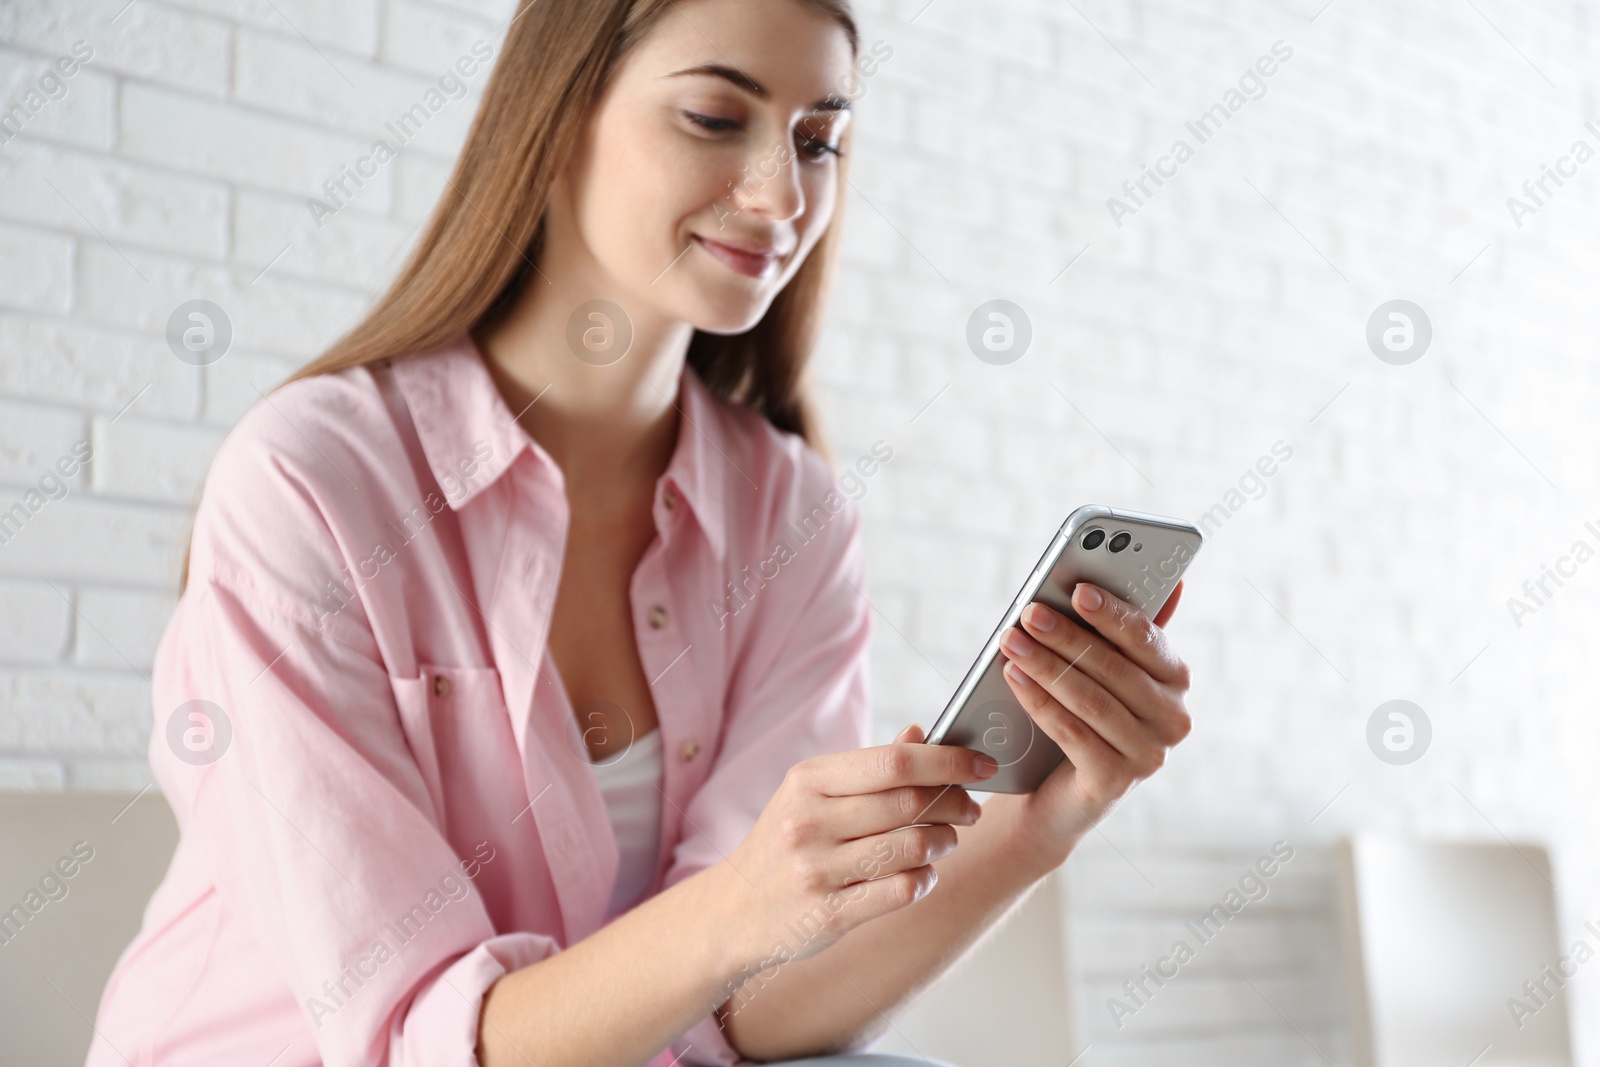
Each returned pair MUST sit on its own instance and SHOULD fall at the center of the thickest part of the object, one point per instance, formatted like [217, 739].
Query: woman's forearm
[842, 995]
[621, 995]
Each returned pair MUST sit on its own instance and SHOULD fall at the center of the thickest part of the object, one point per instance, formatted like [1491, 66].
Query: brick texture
[1182, 325]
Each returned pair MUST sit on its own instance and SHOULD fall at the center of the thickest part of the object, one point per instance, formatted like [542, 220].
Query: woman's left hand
[1114, 704]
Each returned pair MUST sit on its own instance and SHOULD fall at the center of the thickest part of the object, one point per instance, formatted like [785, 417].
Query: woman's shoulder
[306, 425]
[782, 496]
[323, 442]
[294, 483]
[781, 463]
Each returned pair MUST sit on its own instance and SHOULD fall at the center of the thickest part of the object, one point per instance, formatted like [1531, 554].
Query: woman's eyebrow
[739, 78]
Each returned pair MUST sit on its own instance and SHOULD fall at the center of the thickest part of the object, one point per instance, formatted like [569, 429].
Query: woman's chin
[728, 316]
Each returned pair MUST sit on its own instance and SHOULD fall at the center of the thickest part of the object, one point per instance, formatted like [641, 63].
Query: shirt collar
[700, 462]
[470, 438]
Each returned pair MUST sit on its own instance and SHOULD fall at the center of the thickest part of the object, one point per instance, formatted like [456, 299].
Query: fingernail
[1017, 642]
[1090, 597]
[987, 765]
[1040, 617]
[1015, 673]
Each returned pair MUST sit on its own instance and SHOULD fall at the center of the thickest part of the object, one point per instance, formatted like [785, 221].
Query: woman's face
[708, 170]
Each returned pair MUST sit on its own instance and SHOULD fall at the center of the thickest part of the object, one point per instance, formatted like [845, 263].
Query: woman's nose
[770, 185]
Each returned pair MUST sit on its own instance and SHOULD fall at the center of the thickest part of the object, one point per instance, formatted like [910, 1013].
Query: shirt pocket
[435, 707]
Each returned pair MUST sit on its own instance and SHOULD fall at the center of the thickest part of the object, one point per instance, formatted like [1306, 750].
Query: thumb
[911, 734]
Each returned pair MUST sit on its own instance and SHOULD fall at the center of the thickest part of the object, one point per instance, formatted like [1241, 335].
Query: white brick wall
[1227, 313]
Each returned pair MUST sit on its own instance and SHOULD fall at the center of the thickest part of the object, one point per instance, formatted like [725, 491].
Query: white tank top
[630, 784]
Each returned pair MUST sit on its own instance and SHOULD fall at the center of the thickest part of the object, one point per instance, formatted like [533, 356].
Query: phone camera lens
[1120, 541]
[1092, 539]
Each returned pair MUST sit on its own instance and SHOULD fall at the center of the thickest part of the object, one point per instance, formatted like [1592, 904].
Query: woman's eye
[815, 149]
[813, 141]
[711, 122]
[808, 144]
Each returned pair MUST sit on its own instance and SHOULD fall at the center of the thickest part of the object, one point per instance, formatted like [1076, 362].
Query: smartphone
[1138, 557]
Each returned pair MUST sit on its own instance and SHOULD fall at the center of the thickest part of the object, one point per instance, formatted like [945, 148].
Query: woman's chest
[499, 664]
[595, 625]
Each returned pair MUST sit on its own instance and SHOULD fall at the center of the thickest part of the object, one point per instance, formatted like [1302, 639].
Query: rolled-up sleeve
[801, 688]
[318, 825]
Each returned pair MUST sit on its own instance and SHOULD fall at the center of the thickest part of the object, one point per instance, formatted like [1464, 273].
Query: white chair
[1439, 939]
[61, 933]
[1006, 1003]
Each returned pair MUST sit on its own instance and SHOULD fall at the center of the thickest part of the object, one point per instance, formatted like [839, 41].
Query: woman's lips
[750, 264]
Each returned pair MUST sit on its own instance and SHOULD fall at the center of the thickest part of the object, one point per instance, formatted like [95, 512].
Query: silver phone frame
[1005, 782]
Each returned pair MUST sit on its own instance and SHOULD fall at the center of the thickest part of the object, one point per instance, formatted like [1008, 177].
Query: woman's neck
[610, 427]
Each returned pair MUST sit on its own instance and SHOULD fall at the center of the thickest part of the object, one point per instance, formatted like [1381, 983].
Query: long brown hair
[477, 251]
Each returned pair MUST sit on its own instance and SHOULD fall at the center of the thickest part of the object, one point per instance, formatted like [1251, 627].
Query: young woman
[506, 716]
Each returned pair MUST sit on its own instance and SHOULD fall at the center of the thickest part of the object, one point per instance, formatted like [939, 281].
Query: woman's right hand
[848, 837]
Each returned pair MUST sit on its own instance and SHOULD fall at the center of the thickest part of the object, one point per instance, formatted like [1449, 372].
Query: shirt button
[670, 497]
[441, 686]
[690, 749]
[658, 617]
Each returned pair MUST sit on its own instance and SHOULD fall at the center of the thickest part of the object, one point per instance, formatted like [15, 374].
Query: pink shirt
[391, 810]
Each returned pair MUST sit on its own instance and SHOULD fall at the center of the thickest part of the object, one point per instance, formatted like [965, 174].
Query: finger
[1119, 623]
[1082, 745]
[1083, 695]
[911, 735]
[889, 853]
[1170, 606]
[872, 770]
[1128, 628]
[1088, 653]
[860, 816]
[1116, 671]
[867, 900]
